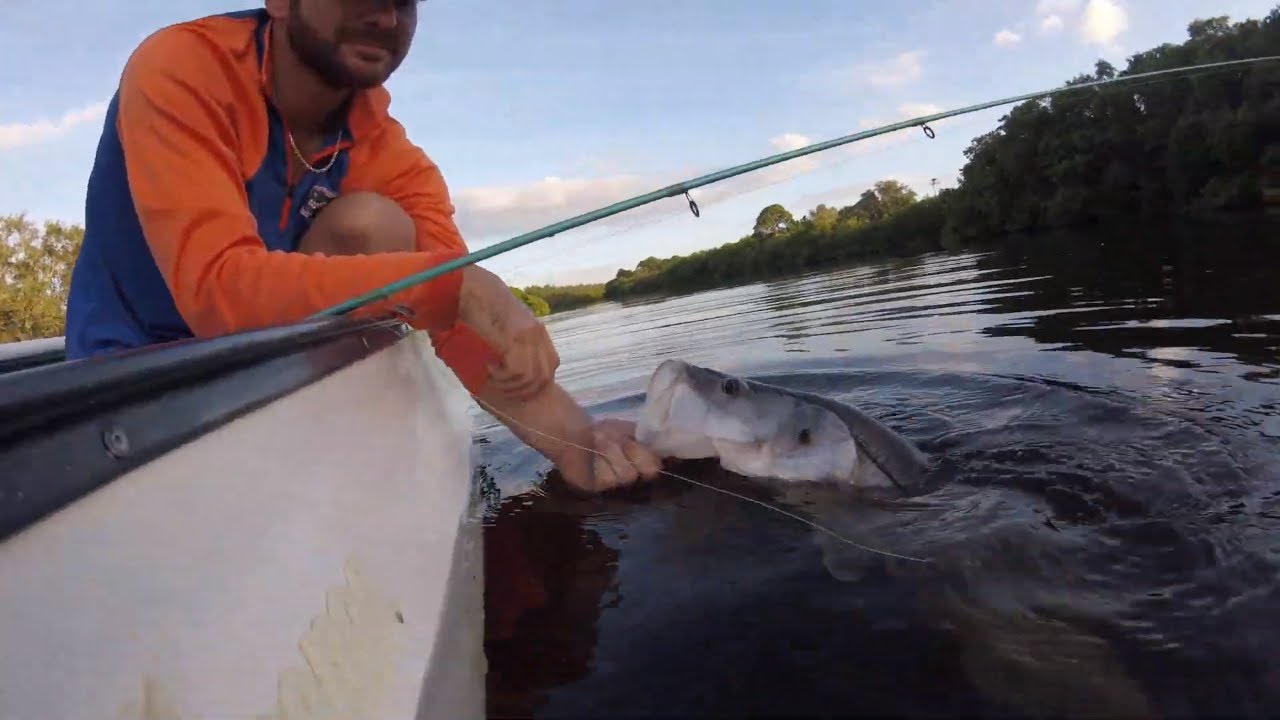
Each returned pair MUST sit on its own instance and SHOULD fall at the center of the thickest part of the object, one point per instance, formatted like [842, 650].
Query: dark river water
[1106, 540]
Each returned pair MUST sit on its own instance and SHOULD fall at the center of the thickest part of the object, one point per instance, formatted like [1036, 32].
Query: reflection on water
[1107, 541]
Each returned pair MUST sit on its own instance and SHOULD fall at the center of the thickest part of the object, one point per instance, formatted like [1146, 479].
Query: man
[250, 174]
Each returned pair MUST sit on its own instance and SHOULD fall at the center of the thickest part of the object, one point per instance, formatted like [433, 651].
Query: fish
[759, 430]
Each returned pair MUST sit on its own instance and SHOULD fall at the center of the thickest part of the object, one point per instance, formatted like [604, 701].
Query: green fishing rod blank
[683, 188]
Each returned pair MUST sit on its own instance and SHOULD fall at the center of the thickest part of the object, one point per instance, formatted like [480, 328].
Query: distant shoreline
[1226, 220]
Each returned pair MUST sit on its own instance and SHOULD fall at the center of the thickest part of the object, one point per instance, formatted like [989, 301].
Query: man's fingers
[620, 471]
[645, 462]
[604, 474]
[623, 470]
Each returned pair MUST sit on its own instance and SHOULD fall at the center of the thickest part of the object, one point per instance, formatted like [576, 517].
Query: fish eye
[804, 436]
[731, 386]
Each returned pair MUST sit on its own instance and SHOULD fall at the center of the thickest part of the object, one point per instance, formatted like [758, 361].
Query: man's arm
[542, 415]
[591, 456]
[188, 190]
[391, 165]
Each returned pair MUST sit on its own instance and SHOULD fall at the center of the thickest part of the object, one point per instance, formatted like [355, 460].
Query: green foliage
[772, 221]
[534, 303]
[1185, 145]
[568, 297]
[35, 271]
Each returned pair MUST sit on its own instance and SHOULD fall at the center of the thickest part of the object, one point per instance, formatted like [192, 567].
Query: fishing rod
[683, 188]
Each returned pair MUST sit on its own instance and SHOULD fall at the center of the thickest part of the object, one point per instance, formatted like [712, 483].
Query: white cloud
[1104, 21]
[1052, 23]
[498, 211]
[902, 69]
[790, 141]
[14, 135]
[1051, 13]
[515, 209]
[1007, 38]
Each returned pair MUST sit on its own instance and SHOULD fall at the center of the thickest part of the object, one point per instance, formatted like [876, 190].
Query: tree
[35, 271]
[893, 196]
[537, 305]
[772, 220]
[823, 219]
[1219, 26]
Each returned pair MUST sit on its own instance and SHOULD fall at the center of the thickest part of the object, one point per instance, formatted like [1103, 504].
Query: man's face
[351, 44]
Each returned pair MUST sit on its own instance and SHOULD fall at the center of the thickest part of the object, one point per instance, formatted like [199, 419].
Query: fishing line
[730, 493]
[683, 188]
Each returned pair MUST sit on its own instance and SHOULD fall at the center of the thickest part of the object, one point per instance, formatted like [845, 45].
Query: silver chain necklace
[332, 158]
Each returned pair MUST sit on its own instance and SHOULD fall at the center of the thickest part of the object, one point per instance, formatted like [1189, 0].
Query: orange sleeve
[185, 176]
[402, 172]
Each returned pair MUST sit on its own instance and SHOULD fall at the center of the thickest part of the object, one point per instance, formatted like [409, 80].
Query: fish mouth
[660, 398]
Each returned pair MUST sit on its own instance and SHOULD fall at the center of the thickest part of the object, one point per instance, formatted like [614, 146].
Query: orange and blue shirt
[192, 217]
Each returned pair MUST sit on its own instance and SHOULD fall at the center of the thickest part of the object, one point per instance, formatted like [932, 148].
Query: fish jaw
[672, 419]
[658, 400]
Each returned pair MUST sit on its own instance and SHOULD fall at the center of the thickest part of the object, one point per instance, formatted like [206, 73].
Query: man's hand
[625, 459]
[529, 358]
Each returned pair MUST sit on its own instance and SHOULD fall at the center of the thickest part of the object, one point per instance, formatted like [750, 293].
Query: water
[1108, 543]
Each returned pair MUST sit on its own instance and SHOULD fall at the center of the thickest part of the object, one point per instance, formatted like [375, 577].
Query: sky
[540, 111]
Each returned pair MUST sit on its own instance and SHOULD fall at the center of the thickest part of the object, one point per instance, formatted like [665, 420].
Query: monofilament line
[730, 493]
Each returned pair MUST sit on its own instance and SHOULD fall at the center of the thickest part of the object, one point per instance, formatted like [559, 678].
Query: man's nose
[383, 14]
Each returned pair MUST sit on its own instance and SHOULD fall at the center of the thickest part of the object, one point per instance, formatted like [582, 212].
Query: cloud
[489, 213]
[1007, 38]
[1051, 13]
[15, 135]
[1052, 23]
[790, 141]
[519, 208]
[900, 70]
[1104, 21]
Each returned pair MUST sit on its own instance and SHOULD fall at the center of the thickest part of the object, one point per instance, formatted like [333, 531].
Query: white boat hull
[318, 557]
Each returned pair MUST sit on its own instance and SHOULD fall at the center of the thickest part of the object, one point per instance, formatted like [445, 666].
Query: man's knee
[360, 223]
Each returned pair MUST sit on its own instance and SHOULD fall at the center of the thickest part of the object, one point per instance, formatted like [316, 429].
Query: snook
[765, 431]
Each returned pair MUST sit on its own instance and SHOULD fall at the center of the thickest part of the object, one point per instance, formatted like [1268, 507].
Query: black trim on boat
[30, 353]
[68, 428]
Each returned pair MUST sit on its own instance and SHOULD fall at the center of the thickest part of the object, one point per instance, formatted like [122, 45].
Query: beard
[324, 57]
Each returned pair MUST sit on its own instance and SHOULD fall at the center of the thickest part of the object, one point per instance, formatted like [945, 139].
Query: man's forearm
[544, 422]
[488, 306]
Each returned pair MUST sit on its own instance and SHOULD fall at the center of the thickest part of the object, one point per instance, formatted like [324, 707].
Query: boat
[274, 524]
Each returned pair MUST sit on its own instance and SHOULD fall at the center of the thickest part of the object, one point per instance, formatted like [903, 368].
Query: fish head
[754, 430]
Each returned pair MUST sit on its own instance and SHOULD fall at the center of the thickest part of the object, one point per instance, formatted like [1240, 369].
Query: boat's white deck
[294, 563]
